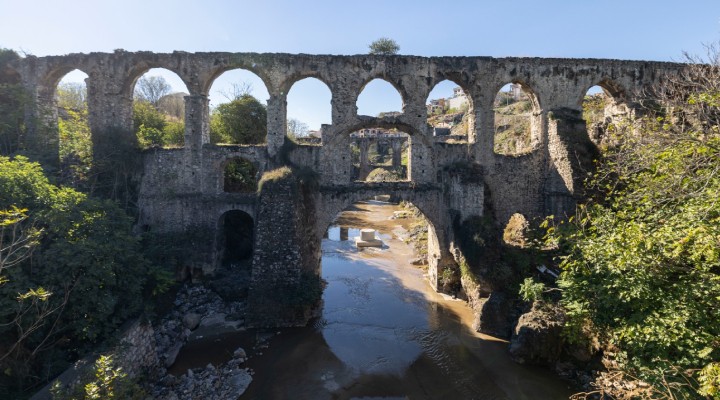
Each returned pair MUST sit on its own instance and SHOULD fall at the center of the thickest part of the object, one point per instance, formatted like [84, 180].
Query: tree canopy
[384, 46]
[82, 248]
[241, 121]
[74, 134]
[155, 128]
[152, 89]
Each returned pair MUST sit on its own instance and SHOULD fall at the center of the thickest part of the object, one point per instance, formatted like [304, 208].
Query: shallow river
[385, 334]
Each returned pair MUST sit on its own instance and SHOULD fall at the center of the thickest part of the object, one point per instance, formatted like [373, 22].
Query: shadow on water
[383, 334]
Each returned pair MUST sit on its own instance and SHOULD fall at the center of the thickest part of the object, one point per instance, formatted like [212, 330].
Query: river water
[385, 334]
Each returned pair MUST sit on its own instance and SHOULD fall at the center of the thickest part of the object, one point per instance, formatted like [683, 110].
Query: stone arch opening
[604, 111]
[517, 120]
[379, 98]
[238, 108]
[73, 128]
[450, 113]
[379, 155]
[239, 176]
[235, 242]
[159, 109]
[309, 108]
[402, 221]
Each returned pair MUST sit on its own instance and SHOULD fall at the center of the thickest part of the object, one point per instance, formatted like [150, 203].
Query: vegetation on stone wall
[594, 108]
[274, 175]
[240, 176]
[486, 258]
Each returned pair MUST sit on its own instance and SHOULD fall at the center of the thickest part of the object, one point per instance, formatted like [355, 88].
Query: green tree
[71, 96]
[154, 128]
[83, 249]
[384, 46]
[241, 121]
[145, 114]
[74, 134]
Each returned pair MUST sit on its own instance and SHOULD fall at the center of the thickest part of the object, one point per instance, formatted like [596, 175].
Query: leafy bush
[642, 265]
[106, 382]
[531, 290]
[156, 129]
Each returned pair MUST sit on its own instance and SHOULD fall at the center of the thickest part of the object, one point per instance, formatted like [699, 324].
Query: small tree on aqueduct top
[384, 46]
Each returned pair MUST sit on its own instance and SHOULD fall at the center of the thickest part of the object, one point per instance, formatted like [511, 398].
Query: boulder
[172, 354]
[537, 337]
[213, 319]
[191, 320]
[237, 383]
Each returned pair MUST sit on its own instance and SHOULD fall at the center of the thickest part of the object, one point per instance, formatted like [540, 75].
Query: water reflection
[337, 233]
[384, 334]
[370, 320]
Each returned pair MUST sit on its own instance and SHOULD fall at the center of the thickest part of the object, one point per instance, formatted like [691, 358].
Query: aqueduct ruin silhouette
[181, 189]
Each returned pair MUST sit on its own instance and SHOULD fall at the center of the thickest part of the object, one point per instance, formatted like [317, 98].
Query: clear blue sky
[625, 29]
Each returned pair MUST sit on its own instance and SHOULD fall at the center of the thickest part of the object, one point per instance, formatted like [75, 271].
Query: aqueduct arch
[179, 189]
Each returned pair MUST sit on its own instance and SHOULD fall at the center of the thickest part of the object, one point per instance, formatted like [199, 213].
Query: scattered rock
[240, 353]
[196, 307]
[226, 381]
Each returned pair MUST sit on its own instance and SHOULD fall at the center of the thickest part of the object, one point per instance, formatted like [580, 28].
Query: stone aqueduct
[182, 189]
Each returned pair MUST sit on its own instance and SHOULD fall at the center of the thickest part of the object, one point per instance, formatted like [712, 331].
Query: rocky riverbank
[197, 314]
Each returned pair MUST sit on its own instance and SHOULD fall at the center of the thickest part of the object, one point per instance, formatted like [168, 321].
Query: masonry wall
[180, 190]
[135, 353]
